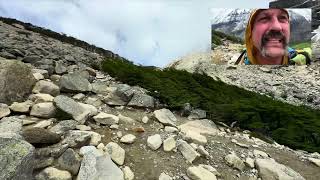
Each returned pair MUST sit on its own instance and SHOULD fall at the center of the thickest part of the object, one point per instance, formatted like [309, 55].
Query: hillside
[61, 117]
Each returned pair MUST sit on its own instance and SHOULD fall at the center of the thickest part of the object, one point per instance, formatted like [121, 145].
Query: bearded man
[267, 38]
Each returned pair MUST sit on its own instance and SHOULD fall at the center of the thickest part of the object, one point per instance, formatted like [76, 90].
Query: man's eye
[264, 19]
[283, 18]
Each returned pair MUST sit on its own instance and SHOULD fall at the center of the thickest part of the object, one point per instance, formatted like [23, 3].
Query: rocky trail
[60, 119]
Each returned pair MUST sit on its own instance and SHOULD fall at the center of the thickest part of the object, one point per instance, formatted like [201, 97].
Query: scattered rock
[165, 116]
[16, 81]
[10, 125]
[75, 138]
[15, 162]
[249, 162]
[234, 161]
[200, 126]
[43, 110]
[72, 108]
[187, 151]
[154, 142]
[169, 144]
[4, 110]
[125, 120]
[170, 129]
[35, 135]
[40, 98]
[106, 119]
[199, 173]
[270, 169]
[64, 126]
[96, 165]
[164, 176]
[46, 87]
[259, 154]
[74, 82]
[141, 100]
[116, 152]
[51, 173]
[145, 119]
[128, 139]
[315, 161]
[23, 107]
[128, 174]
[69, 161]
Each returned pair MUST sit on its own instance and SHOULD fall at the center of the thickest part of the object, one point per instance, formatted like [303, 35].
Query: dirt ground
[148, 164]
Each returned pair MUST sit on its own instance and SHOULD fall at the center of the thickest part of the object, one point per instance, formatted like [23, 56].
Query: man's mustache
[272, 34]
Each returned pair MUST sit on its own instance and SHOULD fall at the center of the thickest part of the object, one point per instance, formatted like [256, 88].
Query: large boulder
[11, 125]
[16, 81]
[16, 157]
[141, 100]
[74, 82]
[71, 108]
[96, 165]
[35, 135]
[165, 116]
[269, 169]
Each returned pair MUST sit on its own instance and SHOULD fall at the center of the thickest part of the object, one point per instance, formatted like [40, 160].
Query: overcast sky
[147, 32]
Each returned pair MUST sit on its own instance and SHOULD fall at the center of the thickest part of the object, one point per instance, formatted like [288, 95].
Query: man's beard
[273, 34]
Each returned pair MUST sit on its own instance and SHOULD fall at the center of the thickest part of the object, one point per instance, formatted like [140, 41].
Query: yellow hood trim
[251, 50]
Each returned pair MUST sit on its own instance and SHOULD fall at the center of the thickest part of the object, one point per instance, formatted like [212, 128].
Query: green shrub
[294, 126]
[218, 36]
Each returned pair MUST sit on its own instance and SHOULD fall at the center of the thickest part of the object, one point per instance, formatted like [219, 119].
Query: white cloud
[144, 31]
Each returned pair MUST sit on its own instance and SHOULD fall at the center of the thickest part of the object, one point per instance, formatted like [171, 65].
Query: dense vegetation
[217, 38]
[297, 127]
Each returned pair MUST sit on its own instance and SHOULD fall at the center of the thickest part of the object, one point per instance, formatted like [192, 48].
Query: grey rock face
[16, 157]
[60, 68]
[234, 161]
[21, 107]
[16, 81]
[95, 165]
[10, 125]
[100, 87]
[43, 110]
[4, 110]
[107, 119]
[200, 173]
[74, 82]
[31, 59]
[36, 135]
[51, 173]
[116, 152]
[55, 151]
[197, 114]
[72, 108]
[187, 151]
[141, 100]
[69, 161]
[269, 169]
[46, 87]
[154, 142]
[77, 138]
[64, 126]
[165, 116]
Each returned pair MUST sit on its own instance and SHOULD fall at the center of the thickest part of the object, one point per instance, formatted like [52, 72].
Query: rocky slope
[292, 84]
[70, 121]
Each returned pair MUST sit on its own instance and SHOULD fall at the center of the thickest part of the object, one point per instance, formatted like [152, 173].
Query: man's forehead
[271, 11]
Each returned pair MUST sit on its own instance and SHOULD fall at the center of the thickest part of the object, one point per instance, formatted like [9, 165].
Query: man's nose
[275, 25]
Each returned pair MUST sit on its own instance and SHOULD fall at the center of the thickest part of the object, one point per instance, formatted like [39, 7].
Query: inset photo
[273, 36]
